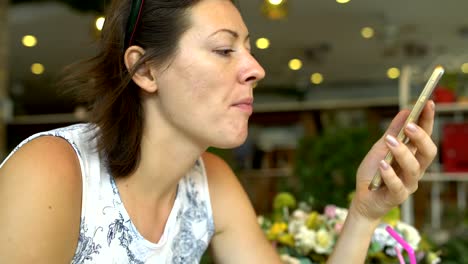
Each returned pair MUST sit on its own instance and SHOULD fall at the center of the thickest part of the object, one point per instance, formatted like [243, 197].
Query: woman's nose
[253, 71]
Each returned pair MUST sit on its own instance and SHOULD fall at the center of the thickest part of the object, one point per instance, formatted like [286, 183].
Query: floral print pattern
[107, 234]
[86, 246]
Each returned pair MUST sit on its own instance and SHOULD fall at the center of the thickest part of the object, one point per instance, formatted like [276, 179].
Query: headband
[134, 18]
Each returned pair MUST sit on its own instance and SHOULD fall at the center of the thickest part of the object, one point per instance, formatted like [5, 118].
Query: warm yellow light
[342, 1]
[275, 2]
[29, 41]
[295, 64]
[393, 73]
[367, 32]
[37, 68]
[316, 78]
[464, 67]
[263, 43]
[100, 23]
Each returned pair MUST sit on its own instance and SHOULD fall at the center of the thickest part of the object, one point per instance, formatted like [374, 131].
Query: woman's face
[206, 89]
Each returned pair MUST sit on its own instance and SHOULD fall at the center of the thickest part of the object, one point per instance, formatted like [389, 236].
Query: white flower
[305, 240]
[392, 252]
[409, 233]
[341, 213]
[289, 260]
[383, 238]
[299, 215]
[304, 206]
[260, 220]
[433, 258]
[323, 241]
[295, 226]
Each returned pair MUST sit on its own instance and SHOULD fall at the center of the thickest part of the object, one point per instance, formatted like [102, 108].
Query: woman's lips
[248, 108]
[245, 105]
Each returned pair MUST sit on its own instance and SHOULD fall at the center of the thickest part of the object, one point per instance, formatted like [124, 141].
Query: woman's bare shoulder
[235, 218]
[40, 197]
[226, 192]
[214, 163]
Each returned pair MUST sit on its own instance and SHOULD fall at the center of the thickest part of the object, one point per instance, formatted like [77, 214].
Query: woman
[135, 185]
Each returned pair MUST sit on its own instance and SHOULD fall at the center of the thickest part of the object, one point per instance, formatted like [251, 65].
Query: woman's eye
[224, 52]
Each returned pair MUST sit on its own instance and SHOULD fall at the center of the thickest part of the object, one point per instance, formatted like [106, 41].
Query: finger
[411, 147]
[393, 183]
[397, 123]
[407, 162]
[426, 120]
[426, 148]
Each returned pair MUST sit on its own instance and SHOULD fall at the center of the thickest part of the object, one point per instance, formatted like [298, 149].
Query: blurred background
[337, 72]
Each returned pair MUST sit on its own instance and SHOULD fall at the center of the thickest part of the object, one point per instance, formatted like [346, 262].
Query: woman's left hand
[401, 179]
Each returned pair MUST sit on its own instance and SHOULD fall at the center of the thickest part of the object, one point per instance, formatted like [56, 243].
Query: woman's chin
[231, 142]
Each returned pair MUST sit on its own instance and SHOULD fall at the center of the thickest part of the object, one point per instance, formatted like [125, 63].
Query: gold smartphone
[413, 117]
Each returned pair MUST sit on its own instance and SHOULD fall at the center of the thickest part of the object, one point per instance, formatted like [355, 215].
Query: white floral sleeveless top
[107, 235]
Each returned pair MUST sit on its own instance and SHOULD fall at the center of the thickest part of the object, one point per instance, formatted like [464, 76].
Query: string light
[367, 32]
[275, 9]
[464, 67]
[393, 73]
[263, 43]
[342, 1]
[100, 23]
[316, 78]
[295, 64]
[275, 2]
[37, 68]
[29, 41]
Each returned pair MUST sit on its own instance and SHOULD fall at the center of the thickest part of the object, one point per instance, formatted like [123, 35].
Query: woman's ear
[143, 76]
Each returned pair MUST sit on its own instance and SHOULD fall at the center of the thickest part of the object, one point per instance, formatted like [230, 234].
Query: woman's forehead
[209, 16]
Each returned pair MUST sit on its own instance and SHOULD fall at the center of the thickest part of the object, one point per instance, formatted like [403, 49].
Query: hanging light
[393, 73]
[316, 78]
[37, 68]
[295, 64]
[29, 41]
[275, 2]
[100, 23]
[275, 9]
[464, 67]
[367, 32]
[262, 43]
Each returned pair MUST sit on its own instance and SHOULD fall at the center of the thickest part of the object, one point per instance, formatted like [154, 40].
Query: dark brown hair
[105, 86]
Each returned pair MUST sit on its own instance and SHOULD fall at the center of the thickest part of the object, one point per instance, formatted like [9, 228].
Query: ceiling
[325, 34]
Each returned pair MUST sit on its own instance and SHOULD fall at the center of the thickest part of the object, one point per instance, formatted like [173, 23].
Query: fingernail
[384, 165]
[411, 127]
[432, 105]
[392, 141]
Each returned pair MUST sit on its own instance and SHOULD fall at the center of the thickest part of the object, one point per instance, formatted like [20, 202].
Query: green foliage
[455, 81]
[206, 258]
[284, 199]
[326, 165]
[455, 249]
[392, 216]
[225, 154]
[450, 80]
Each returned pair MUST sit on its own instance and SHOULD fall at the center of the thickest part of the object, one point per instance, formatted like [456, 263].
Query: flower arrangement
[304, 236]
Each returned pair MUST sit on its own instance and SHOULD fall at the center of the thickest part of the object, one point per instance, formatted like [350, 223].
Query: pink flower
[330, 211]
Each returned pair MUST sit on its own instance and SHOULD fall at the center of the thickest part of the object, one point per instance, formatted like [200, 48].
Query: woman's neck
[167, 154]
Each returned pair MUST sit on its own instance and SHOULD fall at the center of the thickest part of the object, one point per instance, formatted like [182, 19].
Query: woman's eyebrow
[229, 31]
